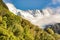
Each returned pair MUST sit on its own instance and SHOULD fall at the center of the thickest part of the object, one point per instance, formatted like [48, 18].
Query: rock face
[54, 27]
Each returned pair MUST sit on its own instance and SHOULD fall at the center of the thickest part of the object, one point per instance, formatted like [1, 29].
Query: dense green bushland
[13, 27]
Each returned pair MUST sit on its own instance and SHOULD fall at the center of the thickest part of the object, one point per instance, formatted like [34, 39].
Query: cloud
[55, 1]
[57, 10]
[54, 5]
[54, 10]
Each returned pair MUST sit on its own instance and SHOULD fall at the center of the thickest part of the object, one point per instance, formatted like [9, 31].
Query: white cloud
[55, 1]
[57, 10]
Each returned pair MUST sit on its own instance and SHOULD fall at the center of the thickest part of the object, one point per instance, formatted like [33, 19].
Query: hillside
[13, 27]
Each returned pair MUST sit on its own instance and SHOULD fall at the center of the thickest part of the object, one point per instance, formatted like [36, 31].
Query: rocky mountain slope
[13, 27]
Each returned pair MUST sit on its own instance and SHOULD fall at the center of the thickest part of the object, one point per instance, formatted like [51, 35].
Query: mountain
[14, 27]
[37, 17]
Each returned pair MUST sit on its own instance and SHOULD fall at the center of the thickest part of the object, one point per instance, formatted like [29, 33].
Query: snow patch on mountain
[37, 17]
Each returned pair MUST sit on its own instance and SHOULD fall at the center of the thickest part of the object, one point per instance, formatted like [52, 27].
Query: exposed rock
[54, 27]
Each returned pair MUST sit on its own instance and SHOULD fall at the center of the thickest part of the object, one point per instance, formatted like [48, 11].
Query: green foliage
[50, 31]
[6, 35]
[13, 27]
[0, 19]
[2, 4]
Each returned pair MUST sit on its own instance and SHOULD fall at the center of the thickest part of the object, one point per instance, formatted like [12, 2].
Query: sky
[34, 4]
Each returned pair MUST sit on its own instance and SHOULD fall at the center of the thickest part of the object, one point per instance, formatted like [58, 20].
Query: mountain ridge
[37, 17]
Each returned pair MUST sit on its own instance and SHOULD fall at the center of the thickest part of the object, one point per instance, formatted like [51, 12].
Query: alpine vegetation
[14, 27]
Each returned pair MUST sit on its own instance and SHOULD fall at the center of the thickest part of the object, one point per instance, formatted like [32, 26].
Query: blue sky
[34, 4]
